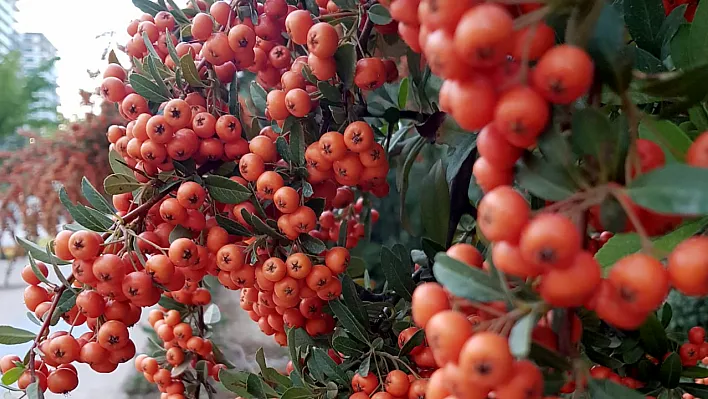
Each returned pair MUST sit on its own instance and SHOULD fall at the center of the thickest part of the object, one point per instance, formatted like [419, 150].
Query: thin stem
[632, 162]
[397, 360]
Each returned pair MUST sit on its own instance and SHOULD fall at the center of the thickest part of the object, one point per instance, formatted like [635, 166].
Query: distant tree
[19, 99]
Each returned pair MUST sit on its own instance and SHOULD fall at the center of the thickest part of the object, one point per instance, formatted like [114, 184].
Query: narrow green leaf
[465, 281]
[13, 336]
[435, 203]
[520, 336]
[283, 149]
[189, 70]
[652, 337]
[697, 390]
[118, 164]
[258, 96]
[644, 19]
[694, 372]
[148, 6]
[352, 300]
[416, 340]
[674, 141]
[398, 273]
[329, 91]
[11, 376]
[349, 322]
[345, 58]
[118, 184]
[35, 269]
[179, 15]
[348, 347]
[365, 366]
[676, 189]
[670, 371]
[33, 391]
[312, 245]
[544, 180]
[95, 198]
[379, 15]
[147, 88]
[699, 34]
[38, 252]
[606, 389]
[225, 190]
[232, 227]
[297, 144]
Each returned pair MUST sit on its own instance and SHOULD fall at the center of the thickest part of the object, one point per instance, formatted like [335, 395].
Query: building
[8, 21]
[36, 50]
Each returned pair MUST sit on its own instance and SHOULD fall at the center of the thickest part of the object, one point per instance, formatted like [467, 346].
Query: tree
[21, 92]
[561, 196]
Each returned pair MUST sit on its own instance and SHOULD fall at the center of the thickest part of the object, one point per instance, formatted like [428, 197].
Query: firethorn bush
[567, 197]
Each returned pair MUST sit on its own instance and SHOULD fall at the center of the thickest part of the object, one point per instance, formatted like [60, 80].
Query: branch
[364, 37]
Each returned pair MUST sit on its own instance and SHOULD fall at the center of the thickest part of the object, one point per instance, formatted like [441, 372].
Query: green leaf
[148, 6]
[670, 137]
[35, 269]
[255, 386]
[644, 19]
[147, 88]
[118, 184]
[356, 267]
[699, 117]
[670, 371]
[403, 89]
[11, 376]
[312, 7]
[699, 34]
[402, 176]
[189, 70]
[398, 273]
[345, 58]
[593, 135]
[13, 336]
[232, 227]
[170, 304]
[652, 337]
[312, 245]
[465, 281]
[544, 180]
[172, 50]
[33, 391]
[621, 245]
[95, 198]
[669, 28]
[212, 314]
[258, 96]
[606, 389]
[66, 302]
[38, 252]
[680, 46]
[352, 300]
[416, 339]
[118, 164]
[297, 337]
[697, 390]
[646, 62]
[349, 321]
[283, 149]
[234, 381]
[694, 372]
[613, 61]
[435, 203]
[347, 346]
[520, 336]
[297, 393]
[365, 366]
[225, 190]
[666, 314]
[379, 15]
[87, 217]
[297, 144]
[149, 61]
[676, 189]
[321, 363]
[329, 92]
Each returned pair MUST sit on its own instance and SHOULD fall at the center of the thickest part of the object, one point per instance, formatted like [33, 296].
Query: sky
[73, 26]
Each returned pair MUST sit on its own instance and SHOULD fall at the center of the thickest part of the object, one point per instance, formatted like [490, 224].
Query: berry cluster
[345, 211]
